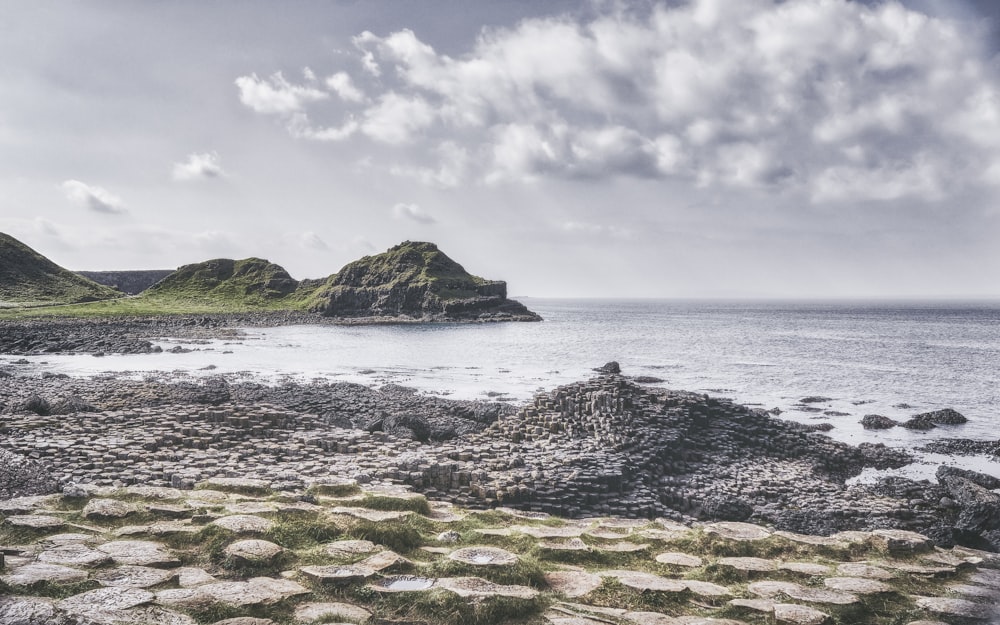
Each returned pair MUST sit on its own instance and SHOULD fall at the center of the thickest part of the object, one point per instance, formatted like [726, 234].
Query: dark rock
[20, 477]
[877, 422]
[37, 405]
[980, 479]
[979, 508]
[407, 426]
[836, 413]
[723, 508]
[919, 423]
[947, 416]
[72, 405]
[610, 368]
[648, 379]
[815, 399]
[902, 406]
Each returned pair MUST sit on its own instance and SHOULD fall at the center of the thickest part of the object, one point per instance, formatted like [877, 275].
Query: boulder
[877, 422]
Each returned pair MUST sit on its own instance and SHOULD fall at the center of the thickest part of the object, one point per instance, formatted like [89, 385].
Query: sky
[702, 148]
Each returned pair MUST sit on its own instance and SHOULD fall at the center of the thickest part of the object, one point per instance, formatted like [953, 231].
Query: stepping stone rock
[679, 559]
[189, 577]
[375, 516]
[309, 612]
[902, 541]
[244, 524]
[139, 553]
[155, 492]
[757, 605]
[74, 554]
[170, 511]
[622, 547]
[337, 573]
[104, 509]
[236, 485]
[258, 591]
[31, 611]
[254, 551]
[251, 507]
[572, 544]
[129, 576]
[245, 620]
[961, 608]
[734, 530]
[382, 561]
[403, 583]
[548, 532]
[857, 585]
[168, 528]
[36, 521]
[860, 569]
[645, 581]
[26, 505]
[749, 565]
[349, 548]
[649, 618]
[572, 584]
[478, 587]
[805, 568]
[483, 556]
[798, 614]
[106, 600]
[808, 539]
[986, 577]
[769, 590]
[39, 572]
[706, 590]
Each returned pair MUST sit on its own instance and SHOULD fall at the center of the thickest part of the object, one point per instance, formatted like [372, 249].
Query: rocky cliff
[415, 280]
[226, 280]
[128, 282]
[28, 278]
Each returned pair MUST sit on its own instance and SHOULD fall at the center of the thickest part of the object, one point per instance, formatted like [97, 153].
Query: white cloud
[828, 98]
[412, 212]
[198, 167]
[92, 197]
[342, 84]
[275, 95]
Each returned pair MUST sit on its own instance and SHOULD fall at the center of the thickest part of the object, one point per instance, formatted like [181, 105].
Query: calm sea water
[926, 355]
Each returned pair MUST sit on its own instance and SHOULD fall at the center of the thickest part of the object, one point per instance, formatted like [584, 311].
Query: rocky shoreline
[606, 446]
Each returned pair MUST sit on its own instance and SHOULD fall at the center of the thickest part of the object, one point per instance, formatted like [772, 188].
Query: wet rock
[980, 479]
[877, 422]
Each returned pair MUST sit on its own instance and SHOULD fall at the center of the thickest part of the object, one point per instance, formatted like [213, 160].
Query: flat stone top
[679, 559]
[645, 581]
[74, 554]
[308, 612]
[770, 590]
[41, 572]
[857, 585]
[805, 568]
[478, 587]
[542, 531]
[749, 564]
[107, 599]
[130, 576]
[254, 550]
[737, 531]
[962, 608]
[483, 556]
[572, 583]
[235, 484]
[139, 552]
[35, 521]
[348, 548]
[375, 516]
[861, 569]
[244, 524]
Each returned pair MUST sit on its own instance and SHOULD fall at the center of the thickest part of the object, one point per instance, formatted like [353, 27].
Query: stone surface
[805, 568]
[799, 614]
[348, 548]
[40, 572]
[861, 569]
[254, 551]
[130, 576]
[139, 552]
[857, 585]
[947, 606]
[35, 521]
[106, 599]
[749, 565]
[310, 612]
[103, 509]
[771, 589]
[257, 591]
[679, 559]
[337, 573]
[74, 554]
[645, 581]
[572, 584]
[483, 556]
[244, 524]
[478, 587]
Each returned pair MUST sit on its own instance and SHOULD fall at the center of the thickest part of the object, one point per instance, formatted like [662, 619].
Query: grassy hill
[29, 279]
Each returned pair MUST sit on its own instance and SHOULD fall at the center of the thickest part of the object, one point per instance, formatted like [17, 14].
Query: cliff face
[415, 280]
[28, 278]
[128, 282]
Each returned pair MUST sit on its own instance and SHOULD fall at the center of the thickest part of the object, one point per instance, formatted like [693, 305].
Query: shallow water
[927, 355]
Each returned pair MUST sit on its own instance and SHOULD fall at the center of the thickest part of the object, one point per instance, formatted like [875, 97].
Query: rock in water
[415, 280]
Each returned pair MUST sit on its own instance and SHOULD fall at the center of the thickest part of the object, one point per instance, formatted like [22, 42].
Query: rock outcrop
[28, 278]
[415, 280]
[128, 282]
[225, 279]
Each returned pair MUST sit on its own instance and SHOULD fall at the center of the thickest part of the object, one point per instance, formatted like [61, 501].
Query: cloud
[836, 100]
[198, 167]
[275, 95]
[92, 197]
[312, 241]
[412, 212]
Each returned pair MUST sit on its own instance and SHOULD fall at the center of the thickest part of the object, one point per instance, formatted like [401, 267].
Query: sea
[890, 358]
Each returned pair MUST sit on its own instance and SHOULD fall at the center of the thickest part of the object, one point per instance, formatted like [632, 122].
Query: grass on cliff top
[215, 286]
